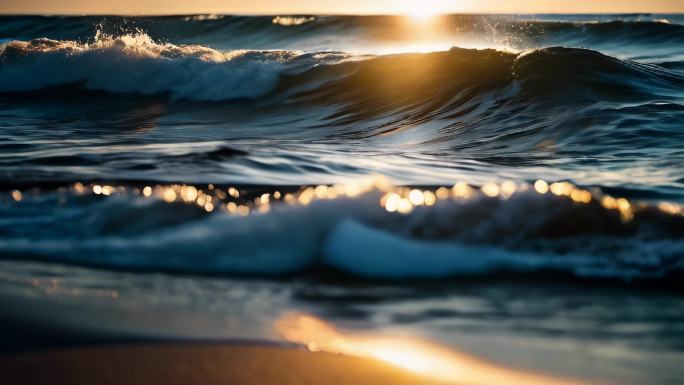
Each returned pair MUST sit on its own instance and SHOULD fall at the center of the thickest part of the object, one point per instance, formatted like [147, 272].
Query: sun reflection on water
[393, 199]
[420, 357]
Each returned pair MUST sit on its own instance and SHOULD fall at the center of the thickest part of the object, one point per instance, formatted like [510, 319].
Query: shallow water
[538, 154]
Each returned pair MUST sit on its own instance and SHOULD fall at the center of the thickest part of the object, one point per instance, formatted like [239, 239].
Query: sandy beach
[171, 364]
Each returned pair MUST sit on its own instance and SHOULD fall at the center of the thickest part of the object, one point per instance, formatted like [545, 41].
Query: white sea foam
[473, 237]
[137, 64]
[288, 21]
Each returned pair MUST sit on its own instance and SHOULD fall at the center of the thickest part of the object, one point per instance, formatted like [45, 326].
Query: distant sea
[508, 185]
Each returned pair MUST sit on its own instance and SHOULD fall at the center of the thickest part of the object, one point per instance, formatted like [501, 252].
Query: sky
[334, 6]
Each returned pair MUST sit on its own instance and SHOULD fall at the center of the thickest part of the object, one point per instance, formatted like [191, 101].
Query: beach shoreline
[175, 363]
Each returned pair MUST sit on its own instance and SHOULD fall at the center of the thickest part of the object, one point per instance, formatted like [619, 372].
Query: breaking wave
[471, 236]
[344, 32]
[137, 64]
[497, 107]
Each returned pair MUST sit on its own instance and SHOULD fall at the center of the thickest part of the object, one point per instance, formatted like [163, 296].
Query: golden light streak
[421, 357]
[393, 199]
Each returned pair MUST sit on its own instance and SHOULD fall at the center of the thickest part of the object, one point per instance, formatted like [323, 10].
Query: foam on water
[136, 63]
[437, 235]
[627, 36]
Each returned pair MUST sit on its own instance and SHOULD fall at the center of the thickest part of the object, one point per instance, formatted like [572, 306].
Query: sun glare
[423, 10]
[420, 357]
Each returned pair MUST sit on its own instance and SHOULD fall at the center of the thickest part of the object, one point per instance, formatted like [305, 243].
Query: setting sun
[423, 10]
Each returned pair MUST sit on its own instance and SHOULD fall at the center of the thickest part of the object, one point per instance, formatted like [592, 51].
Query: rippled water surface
[432, 177]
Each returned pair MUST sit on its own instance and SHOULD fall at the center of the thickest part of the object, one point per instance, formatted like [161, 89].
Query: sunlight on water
[421, 357]
[288, 21]
[394, 199]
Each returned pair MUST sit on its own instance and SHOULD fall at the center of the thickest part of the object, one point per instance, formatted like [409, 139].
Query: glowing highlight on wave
[394, 199]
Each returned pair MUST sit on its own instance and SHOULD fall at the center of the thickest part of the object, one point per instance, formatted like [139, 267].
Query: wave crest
[458, 232]
[137, 64]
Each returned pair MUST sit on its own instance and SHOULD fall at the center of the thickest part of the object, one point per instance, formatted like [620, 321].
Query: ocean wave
[137, 64]
[452, 85]
[484, 107]
[596, 31]
[357, 230]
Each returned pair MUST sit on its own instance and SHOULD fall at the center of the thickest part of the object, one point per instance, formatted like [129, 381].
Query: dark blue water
[598, 101]
[530, 149]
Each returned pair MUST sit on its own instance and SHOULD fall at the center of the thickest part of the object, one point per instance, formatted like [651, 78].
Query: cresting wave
[137, 64]
[342, 32]
[571, 106]
[371, 230]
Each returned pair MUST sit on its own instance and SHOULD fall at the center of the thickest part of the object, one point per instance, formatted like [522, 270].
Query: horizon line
[152, 14]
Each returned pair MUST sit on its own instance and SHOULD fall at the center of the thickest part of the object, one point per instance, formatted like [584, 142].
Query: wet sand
[171, 364]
